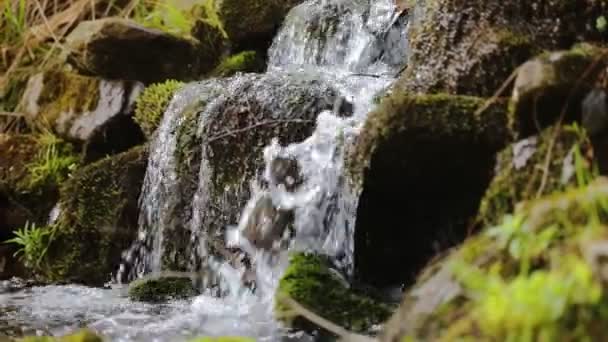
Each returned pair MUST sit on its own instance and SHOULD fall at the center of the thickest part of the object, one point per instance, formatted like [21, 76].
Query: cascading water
[326, 65]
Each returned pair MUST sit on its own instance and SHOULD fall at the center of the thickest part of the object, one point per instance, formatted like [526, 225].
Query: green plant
[163, 16]
[152, 103]
[53, 163]
[14, 19]
[33, 243]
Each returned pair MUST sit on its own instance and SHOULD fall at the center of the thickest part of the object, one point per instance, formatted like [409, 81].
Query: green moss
[152, 103]
[161, 289]
[429, 117]
[309, 281]
[81, 336]
[98, 219]
[537, 276]
[247, 61]
[519, 179]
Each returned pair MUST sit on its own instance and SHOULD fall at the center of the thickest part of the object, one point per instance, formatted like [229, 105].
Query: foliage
[53, 163]
[164, 16]
[33, 243]
[15, 21]
[152, 103]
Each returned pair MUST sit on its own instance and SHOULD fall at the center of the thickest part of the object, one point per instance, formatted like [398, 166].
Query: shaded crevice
[418, 199]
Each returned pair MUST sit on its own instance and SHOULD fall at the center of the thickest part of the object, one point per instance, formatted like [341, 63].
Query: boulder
[161, 289]
[88, 110]
[116, 48]
[539, 274]
[471, 47]
[251, 24]
[435, 154]
[310, 281]
[97, 220]
[524, 173]
[553, 86]
[211, 146]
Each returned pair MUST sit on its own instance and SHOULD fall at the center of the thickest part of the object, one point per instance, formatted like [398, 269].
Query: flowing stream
[352, 49]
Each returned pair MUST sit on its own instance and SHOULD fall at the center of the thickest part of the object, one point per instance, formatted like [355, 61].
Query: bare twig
[300, 310]
[258, 124]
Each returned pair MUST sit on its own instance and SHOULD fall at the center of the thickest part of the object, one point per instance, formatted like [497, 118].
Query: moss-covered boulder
[551, 161]
[310, 281]
[554, 85]
[89, 110]
[161, 289]
[84, 335]
[251, 24]
[121, 49]
[246, 61]
[538, 275]
[435, 154]
[481, 42]
[222, 126]
[98, 219]
[152, 103]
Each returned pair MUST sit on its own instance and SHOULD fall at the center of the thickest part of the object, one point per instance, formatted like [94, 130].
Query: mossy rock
[98, 219]
[483, 42]
[523, 174]
[32, 167]
[84, 335]
[161, 289]
[436, 154]
[152, 103]
[553, 85]
[226, 133]
[80, 108]
[117, 48]
[246, 61]
[537, 275]
[251, 23]
[309, 281]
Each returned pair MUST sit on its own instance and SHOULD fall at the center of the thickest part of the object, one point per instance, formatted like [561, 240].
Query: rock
[285, 171]
[223, 129]
[121, 49]
[161, 289]
[434, 153]
[89, 110]
[266, 224]
[520, 170]
[504, 283]
[84, 335]
[32, 167]
[553, 85]
[246, 61]
[471, 47]
[152, 103]
[251, 24]
[595, 122]
[311, 282]
[98, 219]
[10, 266]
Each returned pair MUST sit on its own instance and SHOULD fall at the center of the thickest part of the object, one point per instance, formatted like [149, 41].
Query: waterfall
[326, 66]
